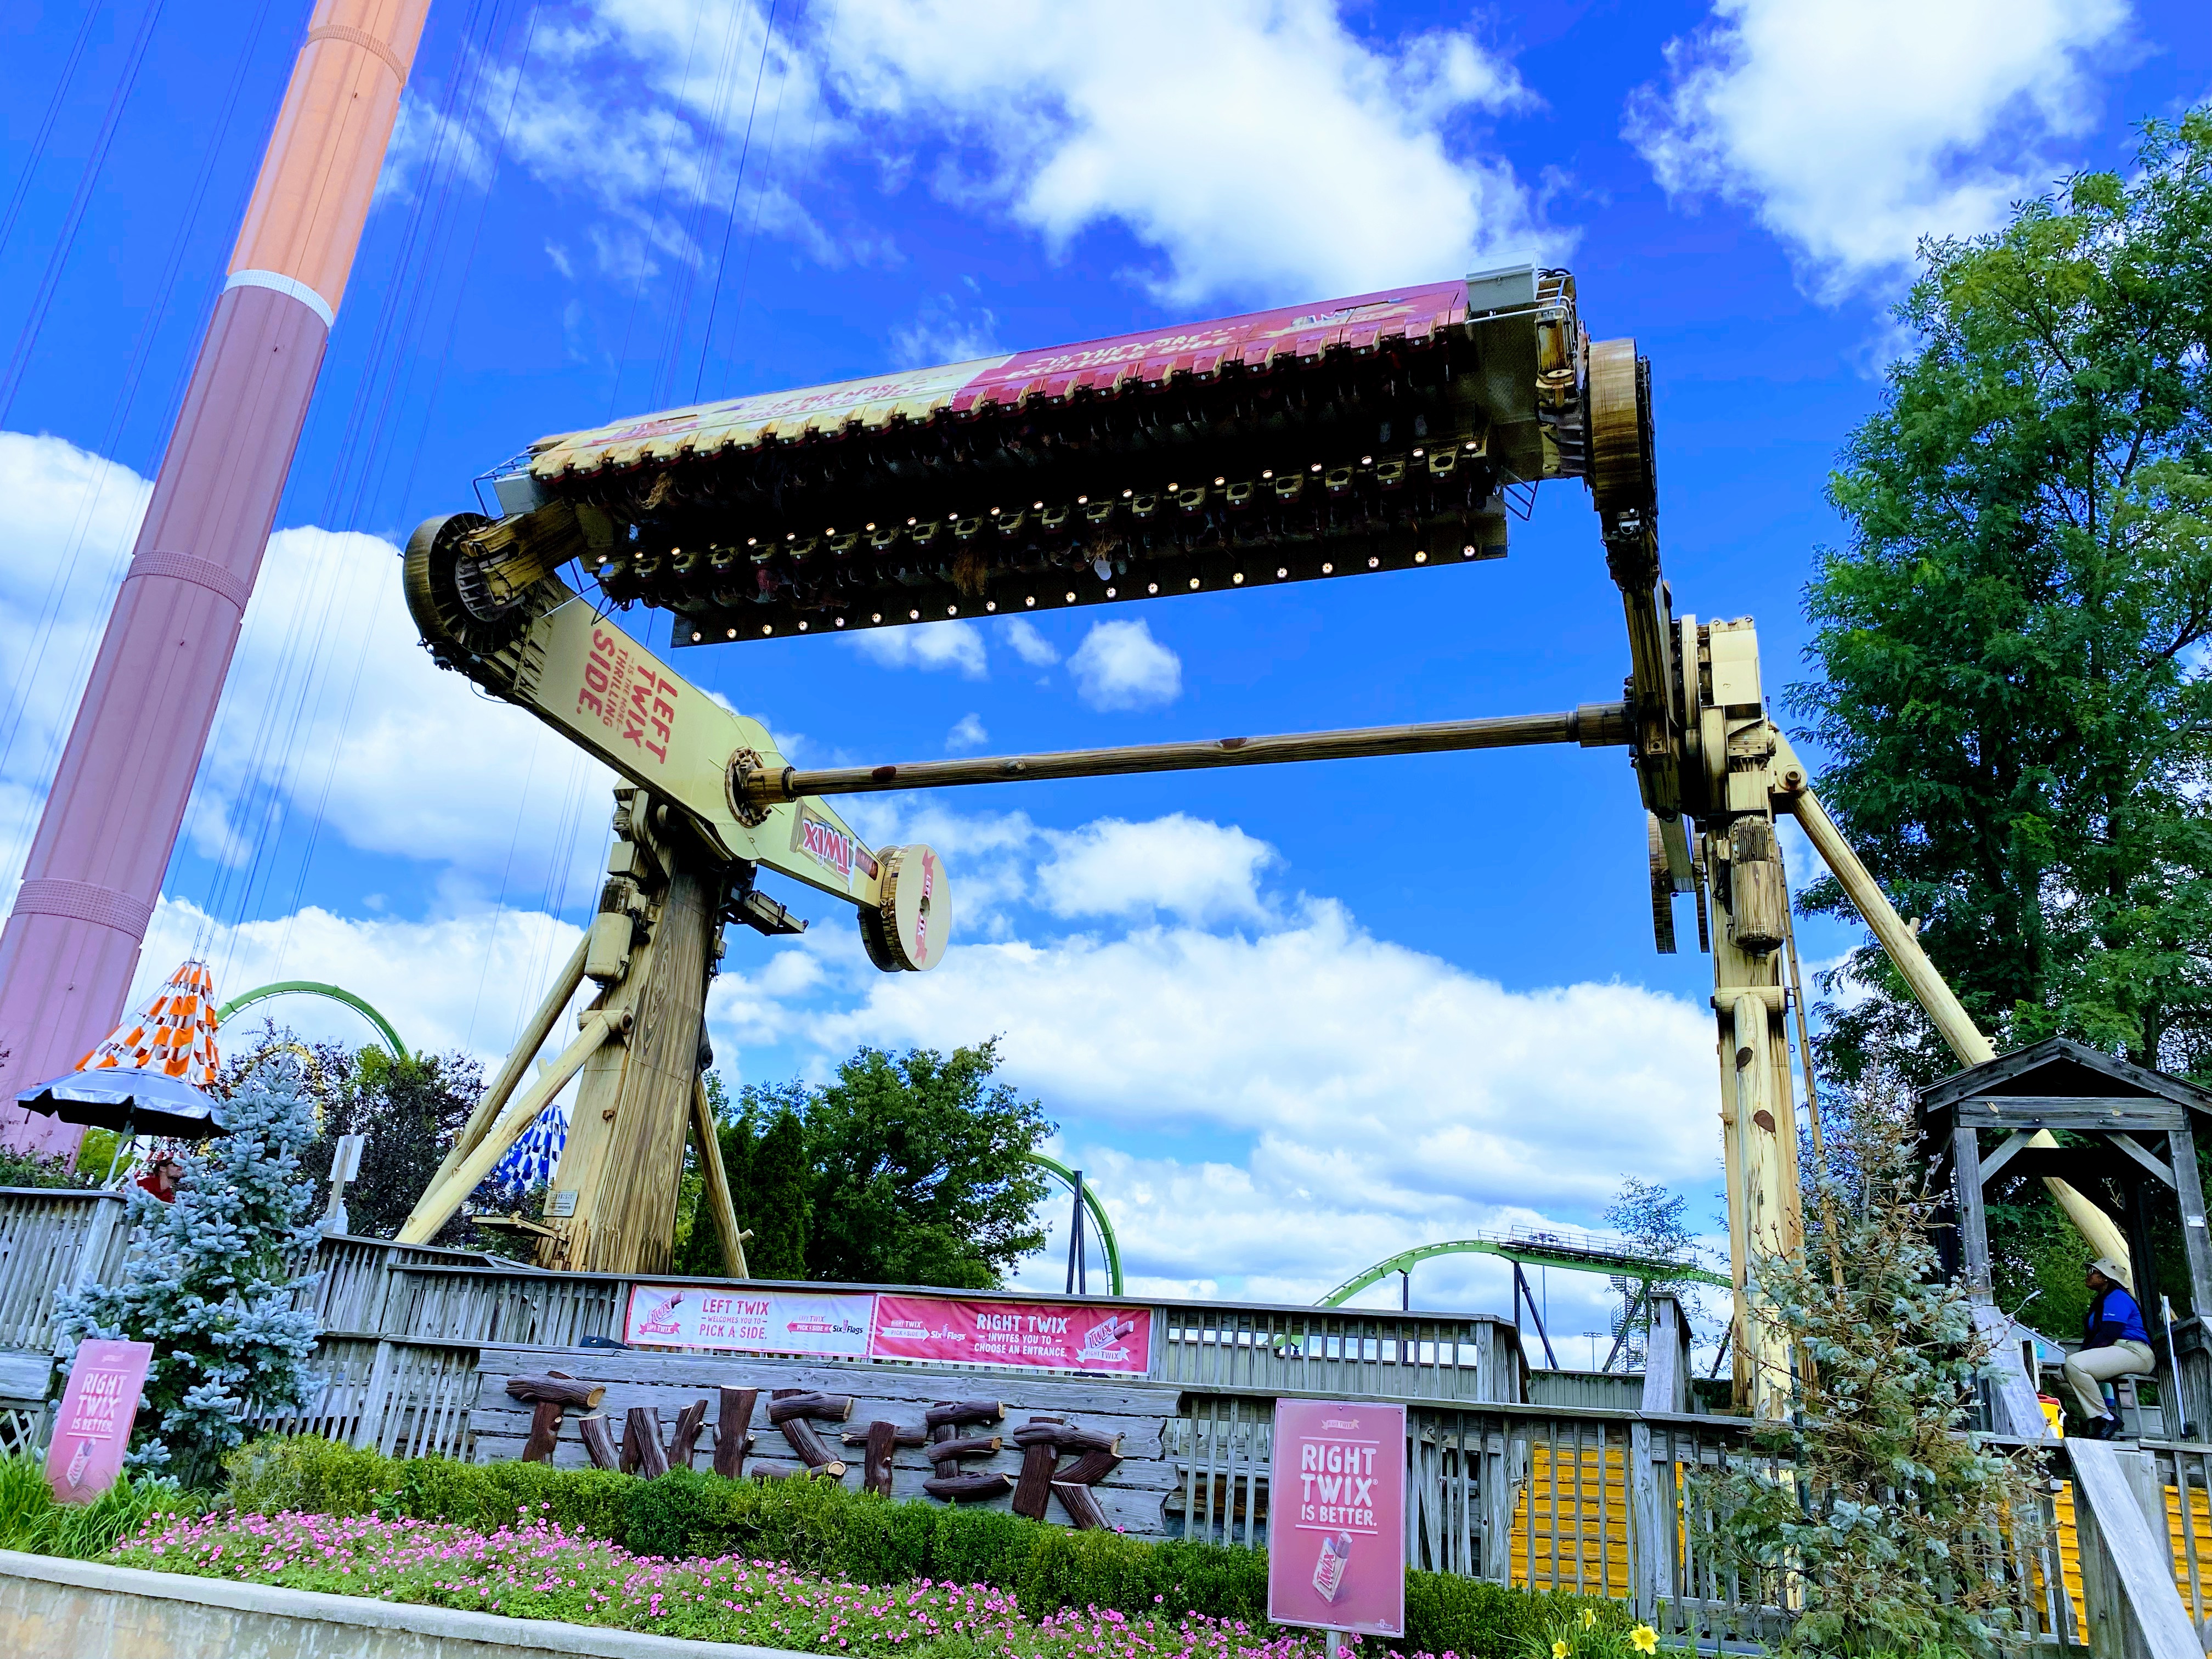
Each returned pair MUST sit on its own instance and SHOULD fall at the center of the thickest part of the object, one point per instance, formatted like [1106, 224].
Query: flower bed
[536, 1569]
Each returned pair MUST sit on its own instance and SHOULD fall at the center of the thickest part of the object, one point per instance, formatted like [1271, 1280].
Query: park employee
[2113, 1344]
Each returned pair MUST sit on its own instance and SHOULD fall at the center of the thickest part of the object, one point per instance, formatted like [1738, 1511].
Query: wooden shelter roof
[2060, 1068]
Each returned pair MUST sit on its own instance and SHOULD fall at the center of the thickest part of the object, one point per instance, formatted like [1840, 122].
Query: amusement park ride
[1384, 433]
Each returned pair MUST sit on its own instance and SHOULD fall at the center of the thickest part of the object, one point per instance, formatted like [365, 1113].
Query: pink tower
[95, 868]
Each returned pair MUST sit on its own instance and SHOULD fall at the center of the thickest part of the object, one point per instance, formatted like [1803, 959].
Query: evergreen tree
[1888, 1515]
[2015, 698]
[205, 1282]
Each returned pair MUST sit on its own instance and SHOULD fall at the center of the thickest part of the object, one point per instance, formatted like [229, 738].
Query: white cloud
[332, 712]
[1197, 870]
[967, 732]
[1120, 665]
[945, 331]
[1368, 1074]
[666, 98]
[1031, 646]
[1261, 146]
[949, 645]
[1852, 128]
[466, 982]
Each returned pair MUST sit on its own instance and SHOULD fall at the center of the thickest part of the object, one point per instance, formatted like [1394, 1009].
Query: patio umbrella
[130, 1102]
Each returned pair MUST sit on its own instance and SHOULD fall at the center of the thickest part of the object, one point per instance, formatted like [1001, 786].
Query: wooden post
[1973, 1216]
[876, 1464]
[681, 1444]
[375, 1394]
[2144, 1260]
[544, 1433]
[731, 1442]
[598, 1444]
[641, 1452]
[2193, 1362]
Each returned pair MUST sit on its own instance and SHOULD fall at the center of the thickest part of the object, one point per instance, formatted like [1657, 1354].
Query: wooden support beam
[2155, 1166]
[511, 1073]
[2014, 1143]
[444, 1196]
[715, 1188]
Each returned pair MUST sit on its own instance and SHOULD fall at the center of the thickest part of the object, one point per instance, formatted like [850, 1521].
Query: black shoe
[2099, 1428]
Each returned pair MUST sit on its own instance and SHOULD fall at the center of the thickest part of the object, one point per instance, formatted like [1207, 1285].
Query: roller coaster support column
[103, 844]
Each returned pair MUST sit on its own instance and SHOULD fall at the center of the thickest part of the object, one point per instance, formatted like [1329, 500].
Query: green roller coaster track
[1098, 1211]
[1532, 1253]
[315, 988]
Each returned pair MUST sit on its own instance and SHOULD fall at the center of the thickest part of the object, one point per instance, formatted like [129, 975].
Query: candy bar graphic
[1108, 1331]
[76, 1474]
[1328, 1572]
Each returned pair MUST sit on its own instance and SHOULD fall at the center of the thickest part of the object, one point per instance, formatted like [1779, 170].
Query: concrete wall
[57, 1609]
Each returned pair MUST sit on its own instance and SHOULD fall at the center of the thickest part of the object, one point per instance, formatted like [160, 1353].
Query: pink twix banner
[93, 1430]
[1336, 1517]
[1061, 1336]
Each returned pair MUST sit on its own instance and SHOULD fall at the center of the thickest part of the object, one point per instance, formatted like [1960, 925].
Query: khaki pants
[2092, 1366]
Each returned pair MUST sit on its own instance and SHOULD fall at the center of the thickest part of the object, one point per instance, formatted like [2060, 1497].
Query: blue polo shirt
[2114, 1317]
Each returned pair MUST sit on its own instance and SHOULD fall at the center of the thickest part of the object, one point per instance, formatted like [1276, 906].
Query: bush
[31, 1520]
[821, 1527]
[1446, 1614]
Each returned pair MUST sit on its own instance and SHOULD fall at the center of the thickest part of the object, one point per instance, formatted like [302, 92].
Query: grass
[31, 1520]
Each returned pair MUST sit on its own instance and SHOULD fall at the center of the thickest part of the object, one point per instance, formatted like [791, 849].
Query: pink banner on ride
[93, 1429]
[1056, 1336]
[1336, 1519]
[1305, 331]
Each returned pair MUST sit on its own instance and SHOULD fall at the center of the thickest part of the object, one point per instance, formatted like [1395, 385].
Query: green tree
[2013, 643]
[920, 1175]
[1653, 1221]
[779, 1189]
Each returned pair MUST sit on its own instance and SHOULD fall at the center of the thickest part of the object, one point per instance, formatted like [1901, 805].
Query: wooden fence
[1597, 1498]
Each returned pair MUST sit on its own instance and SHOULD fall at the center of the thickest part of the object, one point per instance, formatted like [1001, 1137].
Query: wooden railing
[1547, 1495]
[52, 1239]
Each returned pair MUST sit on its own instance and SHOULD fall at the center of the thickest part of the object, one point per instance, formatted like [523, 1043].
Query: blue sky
[1292, 1020]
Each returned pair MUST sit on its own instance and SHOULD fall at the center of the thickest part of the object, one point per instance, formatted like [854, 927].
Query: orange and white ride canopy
[174, 1035]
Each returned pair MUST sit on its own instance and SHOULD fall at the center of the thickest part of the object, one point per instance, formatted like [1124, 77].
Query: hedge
[820, 1527]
